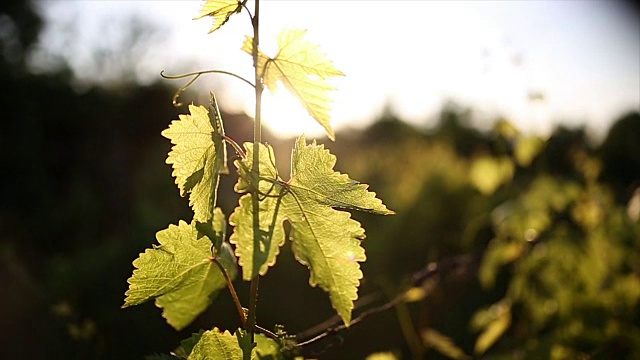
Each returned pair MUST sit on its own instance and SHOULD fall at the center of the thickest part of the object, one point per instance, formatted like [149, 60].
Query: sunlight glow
[582, 56]
[284, 115]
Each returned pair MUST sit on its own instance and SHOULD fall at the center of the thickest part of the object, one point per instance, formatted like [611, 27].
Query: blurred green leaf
[382, 356]
[506, 129]
[498, 254]
[443, 344]
[488, 173]
[526, 149]
[495, 321]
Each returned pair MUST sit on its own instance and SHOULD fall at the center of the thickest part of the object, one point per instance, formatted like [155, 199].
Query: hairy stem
[255, 174]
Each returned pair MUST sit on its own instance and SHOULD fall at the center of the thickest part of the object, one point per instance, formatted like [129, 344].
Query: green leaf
[488, 173]
[303, 70]
[495, 321]
[179, 274]
[271, 232]
[267, 348]
[314, 181]
[216, 230]
[498, 254]
[324, 239]
[271, 235]
[214, 345]
[187, 345]
[526, 149]
[220, 11]
[198, 157]
[382, 356]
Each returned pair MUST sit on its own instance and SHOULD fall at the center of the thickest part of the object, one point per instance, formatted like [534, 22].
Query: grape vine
[196, 260]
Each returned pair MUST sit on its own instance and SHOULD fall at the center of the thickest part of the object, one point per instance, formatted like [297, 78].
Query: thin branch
[362, 316]
[417, 279]
[335, 319]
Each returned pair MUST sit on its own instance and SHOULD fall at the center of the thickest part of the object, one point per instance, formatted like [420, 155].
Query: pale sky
[584, 56]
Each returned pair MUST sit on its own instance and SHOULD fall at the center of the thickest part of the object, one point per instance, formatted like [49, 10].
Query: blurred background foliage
[543, 234]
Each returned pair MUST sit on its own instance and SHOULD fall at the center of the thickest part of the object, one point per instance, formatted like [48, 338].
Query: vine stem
[255, 174]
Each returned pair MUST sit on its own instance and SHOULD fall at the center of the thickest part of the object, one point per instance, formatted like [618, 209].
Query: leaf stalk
[232, 290]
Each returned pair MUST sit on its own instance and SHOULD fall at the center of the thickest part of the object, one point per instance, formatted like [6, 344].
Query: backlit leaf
[303, 70]
[267, 348]
[217, 345]
[257, 261]
[214, 345]
[179, 274]
[324, 239]
[198, 157]
[220, 11]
